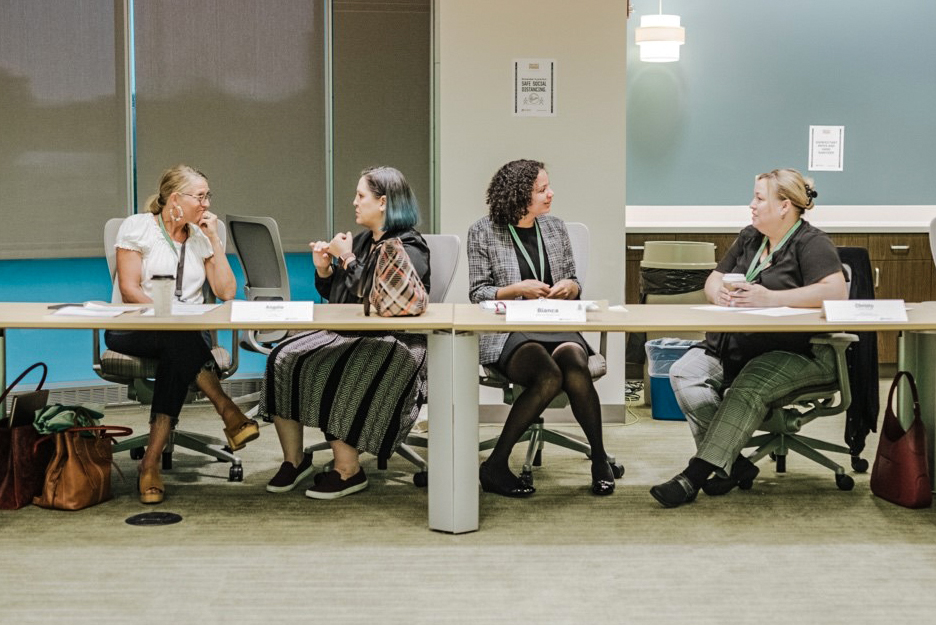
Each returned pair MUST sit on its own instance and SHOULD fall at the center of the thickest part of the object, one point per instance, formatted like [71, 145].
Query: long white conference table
[453, 364]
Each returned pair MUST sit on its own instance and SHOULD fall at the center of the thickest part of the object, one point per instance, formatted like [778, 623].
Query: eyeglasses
[201, 199]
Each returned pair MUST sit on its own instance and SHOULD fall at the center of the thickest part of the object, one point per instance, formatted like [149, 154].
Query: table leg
[453, 432]
[917, 354]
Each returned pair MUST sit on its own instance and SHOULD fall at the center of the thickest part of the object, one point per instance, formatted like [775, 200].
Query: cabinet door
[909, 280]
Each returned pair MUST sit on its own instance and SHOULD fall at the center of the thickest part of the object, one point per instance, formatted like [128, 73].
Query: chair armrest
[96, 350]
[235, 354]
[249, 339]
[839, 341]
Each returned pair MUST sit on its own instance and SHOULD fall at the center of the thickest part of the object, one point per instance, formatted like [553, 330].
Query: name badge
[868, 310]
[546, 311]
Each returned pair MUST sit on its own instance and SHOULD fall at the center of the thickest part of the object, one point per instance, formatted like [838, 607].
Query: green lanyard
[181, 267]
[755, 268]
[539, 246]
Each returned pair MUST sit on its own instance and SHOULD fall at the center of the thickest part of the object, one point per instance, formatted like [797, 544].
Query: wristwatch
[346, 258]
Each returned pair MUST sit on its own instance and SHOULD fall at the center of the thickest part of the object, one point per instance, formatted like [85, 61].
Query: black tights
[543, 376]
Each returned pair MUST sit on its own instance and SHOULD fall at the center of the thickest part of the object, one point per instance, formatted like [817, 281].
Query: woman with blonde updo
[725, 385]
[177, 237]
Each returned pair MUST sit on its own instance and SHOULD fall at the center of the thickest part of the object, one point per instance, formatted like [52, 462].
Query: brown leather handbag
[79, 474]
[21, 469]
[901, 472]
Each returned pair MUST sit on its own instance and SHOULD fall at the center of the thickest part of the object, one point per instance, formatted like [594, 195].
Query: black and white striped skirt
[363, 388]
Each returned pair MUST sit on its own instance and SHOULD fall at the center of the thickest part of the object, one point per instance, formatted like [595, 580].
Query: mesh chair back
[443, 261]
[260, 252]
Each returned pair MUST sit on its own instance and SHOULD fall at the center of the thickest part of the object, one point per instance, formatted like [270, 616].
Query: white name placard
[546, 311]
[271, 311]
[865, 310]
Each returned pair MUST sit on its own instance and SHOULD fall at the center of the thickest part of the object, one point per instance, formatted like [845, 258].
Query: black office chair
[137, 374]
[789, 414]
[538, 434]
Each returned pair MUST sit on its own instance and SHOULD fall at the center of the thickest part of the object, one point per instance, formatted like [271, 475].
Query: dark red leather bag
[22, 471]
[901, 472]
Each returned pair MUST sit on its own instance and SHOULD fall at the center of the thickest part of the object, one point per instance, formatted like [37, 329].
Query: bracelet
[346, 258]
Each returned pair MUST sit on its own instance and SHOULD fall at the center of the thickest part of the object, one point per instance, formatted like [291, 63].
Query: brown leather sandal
[151, 487]
[241, 434]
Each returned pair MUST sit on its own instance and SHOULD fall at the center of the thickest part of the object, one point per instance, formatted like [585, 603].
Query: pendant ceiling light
[659, 37]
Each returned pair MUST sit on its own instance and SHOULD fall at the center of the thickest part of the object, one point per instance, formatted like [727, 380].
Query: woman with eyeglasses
[520, 251]
[178, 236]
[362, 389]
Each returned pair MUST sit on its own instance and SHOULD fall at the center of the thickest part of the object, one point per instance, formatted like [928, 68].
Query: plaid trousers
[722, 422]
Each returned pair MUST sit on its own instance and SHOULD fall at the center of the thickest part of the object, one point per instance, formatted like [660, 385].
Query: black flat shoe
[602, 479]
[507, 485]
[675, 492]
[743, 472]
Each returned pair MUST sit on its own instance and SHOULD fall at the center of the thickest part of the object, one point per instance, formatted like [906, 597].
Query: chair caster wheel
[421, 479]
[526, 478]
[166, 460]
[781, 464]
[236, 474]
[860, 465]
[137, 453]
[844, 482]
[617, 470]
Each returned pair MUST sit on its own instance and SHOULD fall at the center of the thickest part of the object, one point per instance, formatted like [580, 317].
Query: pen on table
[57, 306]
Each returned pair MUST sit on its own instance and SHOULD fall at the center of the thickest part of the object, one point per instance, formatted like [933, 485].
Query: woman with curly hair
[519, 251]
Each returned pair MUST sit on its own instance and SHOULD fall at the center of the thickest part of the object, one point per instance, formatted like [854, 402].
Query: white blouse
[141, 233]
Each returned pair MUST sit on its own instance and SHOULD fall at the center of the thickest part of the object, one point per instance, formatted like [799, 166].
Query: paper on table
[715, 308]
[182, 309]
[92, 309]
[781, 311]
[271, 311]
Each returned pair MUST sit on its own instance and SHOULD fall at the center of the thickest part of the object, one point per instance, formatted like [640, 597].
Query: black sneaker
[331, 486]
[288, 476]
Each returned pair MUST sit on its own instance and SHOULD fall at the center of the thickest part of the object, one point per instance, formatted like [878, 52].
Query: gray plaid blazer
[493, 263]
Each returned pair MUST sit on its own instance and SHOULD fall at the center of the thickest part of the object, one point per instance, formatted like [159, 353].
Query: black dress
[549, 340]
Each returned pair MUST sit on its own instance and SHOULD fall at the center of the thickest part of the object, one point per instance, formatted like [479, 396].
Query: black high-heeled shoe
[742, 475]
[508, 485]
[602, 479]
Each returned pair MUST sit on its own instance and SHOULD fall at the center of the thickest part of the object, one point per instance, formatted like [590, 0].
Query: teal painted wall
[68, 352]
[755, 74]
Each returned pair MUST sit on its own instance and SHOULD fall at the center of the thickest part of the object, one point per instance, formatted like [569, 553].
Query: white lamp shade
[659, 38]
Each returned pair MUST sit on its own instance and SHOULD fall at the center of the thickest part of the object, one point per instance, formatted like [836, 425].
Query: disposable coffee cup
[162, 295]
[732, 280]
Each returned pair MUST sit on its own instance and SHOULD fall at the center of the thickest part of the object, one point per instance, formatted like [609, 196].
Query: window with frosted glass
[62, 114]
[381, 65]
[236, 89]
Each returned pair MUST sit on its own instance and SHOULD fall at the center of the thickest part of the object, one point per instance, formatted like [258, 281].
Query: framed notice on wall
[826, 148]
[534, 92]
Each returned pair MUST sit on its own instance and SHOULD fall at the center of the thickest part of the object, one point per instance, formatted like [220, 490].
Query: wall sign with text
[826, 148]
[534, 87]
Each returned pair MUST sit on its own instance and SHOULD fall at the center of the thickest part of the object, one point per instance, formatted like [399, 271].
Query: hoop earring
[174, 216]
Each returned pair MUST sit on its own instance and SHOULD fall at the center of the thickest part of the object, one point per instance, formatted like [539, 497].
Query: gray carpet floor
[794, 549]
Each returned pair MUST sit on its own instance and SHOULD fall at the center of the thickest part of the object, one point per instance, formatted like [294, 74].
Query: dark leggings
[544, 376]
[181, 356]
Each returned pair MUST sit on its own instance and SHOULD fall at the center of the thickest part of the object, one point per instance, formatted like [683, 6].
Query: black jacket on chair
[862, 357]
